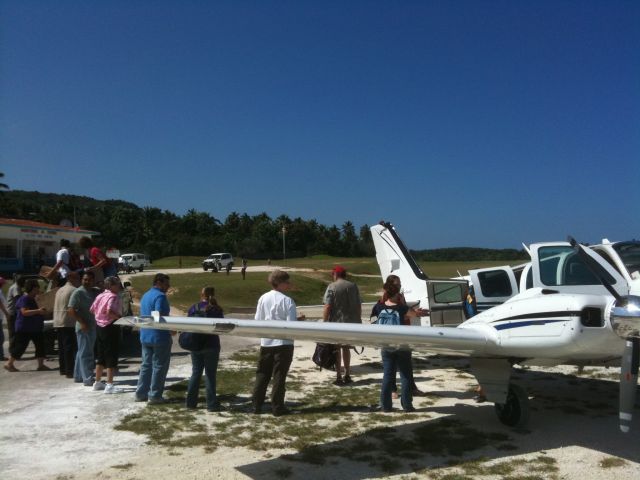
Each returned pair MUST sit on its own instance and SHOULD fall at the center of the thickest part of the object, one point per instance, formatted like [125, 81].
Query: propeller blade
[628, 381]
[594, 267]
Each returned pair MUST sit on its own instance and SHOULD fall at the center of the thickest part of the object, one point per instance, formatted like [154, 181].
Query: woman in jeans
[396, 359]
[207, 357]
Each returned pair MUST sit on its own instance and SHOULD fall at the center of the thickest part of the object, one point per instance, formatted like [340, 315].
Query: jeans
[206, 360]
[274, 361]
[85, 361]
[153, 370]
[67, 350]
[393, 361]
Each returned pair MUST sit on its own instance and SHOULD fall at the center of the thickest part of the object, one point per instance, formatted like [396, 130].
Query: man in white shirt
[275, 354]
[62, 262]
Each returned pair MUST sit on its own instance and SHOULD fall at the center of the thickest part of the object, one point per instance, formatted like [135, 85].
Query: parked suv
[217, 261]
[129, 262]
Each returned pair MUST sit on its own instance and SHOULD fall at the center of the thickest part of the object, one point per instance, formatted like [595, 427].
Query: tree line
[470, 254]
[161, 233]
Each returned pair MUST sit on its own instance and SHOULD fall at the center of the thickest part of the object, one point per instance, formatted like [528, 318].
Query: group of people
[84, 319]
[90, 299]
[342, 304]
[88, 339]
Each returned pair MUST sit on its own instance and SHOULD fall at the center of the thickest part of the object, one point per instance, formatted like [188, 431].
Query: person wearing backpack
[391, 310]
[394, 387]
[206, 354]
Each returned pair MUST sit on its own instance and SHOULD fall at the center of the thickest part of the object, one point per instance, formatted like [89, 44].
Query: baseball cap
[339, 269]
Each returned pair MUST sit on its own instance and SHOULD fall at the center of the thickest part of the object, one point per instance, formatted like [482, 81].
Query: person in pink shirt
[107, 309]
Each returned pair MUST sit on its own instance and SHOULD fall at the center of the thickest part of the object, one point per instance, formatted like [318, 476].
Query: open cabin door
[446, 302]
[493, 286]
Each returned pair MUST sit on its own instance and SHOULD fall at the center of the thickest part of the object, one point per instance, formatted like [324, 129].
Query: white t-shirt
[274, 305]
[63, 254]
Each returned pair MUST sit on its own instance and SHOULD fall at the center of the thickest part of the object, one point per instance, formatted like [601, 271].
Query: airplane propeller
[624, 316]
[625, 319]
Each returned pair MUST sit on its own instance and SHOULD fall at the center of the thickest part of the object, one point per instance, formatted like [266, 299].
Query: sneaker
[99, 386]
[409, 409]
[379, 409]
[140, 399]
[157, 401]
[111, 388]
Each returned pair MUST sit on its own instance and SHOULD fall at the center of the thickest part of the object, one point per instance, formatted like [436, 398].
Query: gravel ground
[51, 428]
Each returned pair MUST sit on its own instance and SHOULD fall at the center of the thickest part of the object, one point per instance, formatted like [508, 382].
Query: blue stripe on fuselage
[528, 323]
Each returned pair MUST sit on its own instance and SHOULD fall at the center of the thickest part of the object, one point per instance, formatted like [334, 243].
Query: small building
[26, 245]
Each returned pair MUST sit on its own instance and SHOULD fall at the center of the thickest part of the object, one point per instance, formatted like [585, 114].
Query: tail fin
[394, 258]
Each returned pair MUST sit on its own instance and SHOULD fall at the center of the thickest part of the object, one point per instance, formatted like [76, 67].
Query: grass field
[309, 287]
[358, 265]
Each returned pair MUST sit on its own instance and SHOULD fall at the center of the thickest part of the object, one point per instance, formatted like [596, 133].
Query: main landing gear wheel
[515, 411]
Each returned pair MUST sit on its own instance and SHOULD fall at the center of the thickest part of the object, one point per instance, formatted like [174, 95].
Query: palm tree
[3, 186]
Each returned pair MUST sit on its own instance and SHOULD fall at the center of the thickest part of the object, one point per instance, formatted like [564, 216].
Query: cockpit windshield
[629, 253]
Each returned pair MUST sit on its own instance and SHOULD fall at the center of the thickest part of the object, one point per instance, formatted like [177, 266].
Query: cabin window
[447, 292]
[630, 255]
[495, 283]
[605, 256]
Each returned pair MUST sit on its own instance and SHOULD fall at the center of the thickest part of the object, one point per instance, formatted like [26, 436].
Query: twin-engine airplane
[576, 310]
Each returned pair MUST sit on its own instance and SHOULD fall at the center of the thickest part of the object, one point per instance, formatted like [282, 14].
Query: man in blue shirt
[156, 344]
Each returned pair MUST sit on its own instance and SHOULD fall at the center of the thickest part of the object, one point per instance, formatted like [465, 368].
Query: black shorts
[21, 342]
[107, 345]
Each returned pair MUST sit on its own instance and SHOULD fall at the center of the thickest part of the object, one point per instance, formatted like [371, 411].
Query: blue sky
[465, 123]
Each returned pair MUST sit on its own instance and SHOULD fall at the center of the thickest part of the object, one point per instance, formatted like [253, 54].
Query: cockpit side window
[561, 265]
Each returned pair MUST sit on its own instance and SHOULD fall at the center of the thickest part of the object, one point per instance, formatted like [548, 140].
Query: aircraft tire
[515, 411]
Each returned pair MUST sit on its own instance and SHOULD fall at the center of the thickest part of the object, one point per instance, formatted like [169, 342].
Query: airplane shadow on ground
[565, 412]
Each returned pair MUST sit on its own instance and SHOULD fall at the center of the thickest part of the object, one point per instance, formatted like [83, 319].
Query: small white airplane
[577, 310]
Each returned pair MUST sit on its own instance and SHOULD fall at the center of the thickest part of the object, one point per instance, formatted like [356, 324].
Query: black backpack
[193, 342]
[325, 356]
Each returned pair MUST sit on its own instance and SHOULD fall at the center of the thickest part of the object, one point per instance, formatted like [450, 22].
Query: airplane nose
[625, 316]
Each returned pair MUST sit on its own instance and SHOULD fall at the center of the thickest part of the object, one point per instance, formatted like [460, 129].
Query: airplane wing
[450, 341]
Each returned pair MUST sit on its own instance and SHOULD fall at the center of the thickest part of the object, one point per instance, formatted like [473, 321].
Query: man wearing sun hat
[342, 304]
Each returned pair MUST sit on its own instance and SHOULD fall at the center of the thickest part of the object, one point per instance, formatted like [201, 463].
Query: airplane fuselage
[565, 328]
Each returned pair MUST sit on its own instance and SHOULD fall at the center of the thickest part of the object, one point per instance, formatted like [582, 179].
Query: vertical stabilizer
[394, 258]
